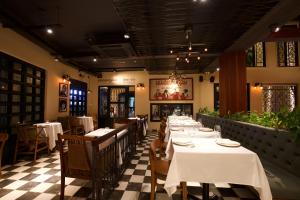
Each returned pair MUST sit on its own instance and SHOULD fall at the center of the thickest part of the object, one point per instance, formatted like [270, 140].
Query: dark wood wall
[233, 81]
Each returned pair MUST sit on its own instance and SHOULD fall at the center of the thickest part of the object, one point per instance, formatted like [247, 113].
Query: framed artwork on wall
[62, 104]
[63, 90]
[159, 110]
[164, 90]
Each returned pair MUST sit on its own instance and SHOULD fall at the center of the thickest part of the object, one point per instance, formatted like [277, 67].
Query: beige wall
[15, 45]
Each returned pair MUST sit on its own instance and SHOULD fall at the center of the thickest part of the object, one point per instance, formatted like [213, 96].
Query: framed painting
[63, 90]
[62, 105]
[164, 90]
[159, 110]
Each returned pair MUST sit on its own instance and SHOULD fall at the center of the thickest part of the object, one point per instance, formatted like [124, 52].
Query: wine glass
[217, 128]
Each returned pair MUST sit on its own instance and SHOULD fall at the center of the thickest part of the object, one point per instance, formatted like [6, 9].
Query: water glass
[217, 128]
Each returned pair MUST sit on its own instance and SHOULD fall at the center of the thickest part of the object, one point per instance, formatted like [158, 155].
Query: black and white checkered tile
[41, 180]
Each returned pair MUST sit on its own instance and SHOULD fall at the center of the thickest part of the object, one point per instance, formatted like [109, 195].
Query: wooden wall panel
[232, 82]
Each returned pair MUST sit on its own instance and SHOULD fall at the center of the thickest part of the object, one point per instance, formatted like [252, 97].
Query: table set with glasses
[200, 154]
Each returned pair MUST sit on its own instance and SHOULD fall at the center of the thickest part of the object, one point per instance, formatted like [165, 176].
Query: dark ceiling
[89, 29]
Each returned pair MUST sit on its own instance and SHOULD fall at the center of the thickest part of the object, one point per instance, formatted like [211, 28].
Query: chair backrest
[154, 145]
[65, 122]
[74, 158]
[26, 133]
[3, 138]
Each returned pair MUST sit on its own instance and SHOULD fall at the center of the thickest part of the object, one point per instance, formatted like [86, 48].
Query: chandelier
[176, 78]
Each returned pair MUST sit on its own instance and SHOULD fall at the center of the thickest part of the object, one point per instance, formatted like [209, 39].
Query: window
[22, 88]
[287, 53]
[255, 55]
[276, 97]
[78, 98]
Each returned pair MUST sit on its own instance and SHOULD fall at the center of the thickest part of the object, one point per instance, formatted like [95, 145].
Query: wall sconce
[66, 78]
[258, 85]
[140, 86]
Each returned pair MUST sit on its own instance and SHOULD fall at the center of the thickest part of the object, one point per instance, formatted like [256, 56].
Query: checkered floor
[41, 180]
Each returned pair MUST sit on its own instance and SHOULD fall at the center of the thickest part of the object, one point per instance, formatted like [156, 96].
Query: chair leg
[184, 190]
[153, 185]
[62, 187]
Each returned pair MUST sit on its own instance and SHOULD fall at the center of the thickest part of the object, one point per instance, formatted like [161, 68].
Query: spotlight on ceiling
[177, 58]
[49, 30]
[94, 59]
[274, 28]
[126, 36]
[218, 69]
[277, 29]
[198, 57]
[56, 59]
[205, 49]
[171, 51]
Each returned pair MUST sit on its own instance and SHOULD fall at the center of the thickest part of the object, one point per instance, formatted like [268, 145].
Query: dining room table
[51, 129]
[87, 123]
[205, 157]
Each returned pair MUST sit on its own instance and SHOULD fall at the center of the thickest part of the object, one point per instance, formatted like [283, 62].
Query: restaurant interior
[136, 100]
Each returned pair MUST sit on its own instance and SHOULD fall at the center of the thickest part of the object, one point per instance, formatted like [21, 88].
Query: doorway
[116, 103]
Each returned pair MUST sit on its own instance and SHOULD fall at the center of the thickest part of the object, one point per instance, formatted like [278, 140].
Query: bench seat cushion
[283, 184]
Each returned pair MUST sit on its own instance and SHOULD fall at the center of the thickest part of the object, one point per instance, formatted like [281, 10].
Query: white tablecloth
[87, 123]
[51, 130]
[208, 162]
[101, 132]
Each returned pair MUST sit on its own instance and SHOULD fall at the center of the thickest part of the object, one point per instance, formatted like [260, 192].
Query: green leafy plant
[284, 119]
[292, 123]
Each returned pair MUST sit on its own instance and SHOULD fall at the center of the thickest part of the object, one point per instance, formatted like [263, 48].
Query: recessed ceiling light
[277, 29]
[56, 59]
[198, 57]
[190, 54]
[190, 48]
[177, 58]
[218, 69]
[49, 30]
[126, 36]
[205, 49]
[171, 51]
[94, 59]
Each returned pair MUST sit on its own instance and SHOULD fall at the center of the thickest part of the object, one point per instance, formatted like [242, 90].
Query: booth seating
[280, 155]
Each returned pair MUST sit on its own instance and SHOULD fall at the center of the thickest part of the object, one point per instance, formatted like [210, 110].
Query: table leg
[205, 191]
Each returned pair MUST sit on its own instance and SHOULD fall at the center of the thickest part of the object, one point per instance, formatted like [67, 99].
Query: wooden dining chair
[31, 140]
[65, 123]
[160, 168]
[76, 127]
[74, 159]
[3, 138]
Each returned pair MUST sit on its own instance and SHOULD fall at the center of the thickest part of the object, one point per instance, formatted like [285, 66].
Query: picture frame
[63, 105]
[63, 90]
[159, 110]
[162, 89]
